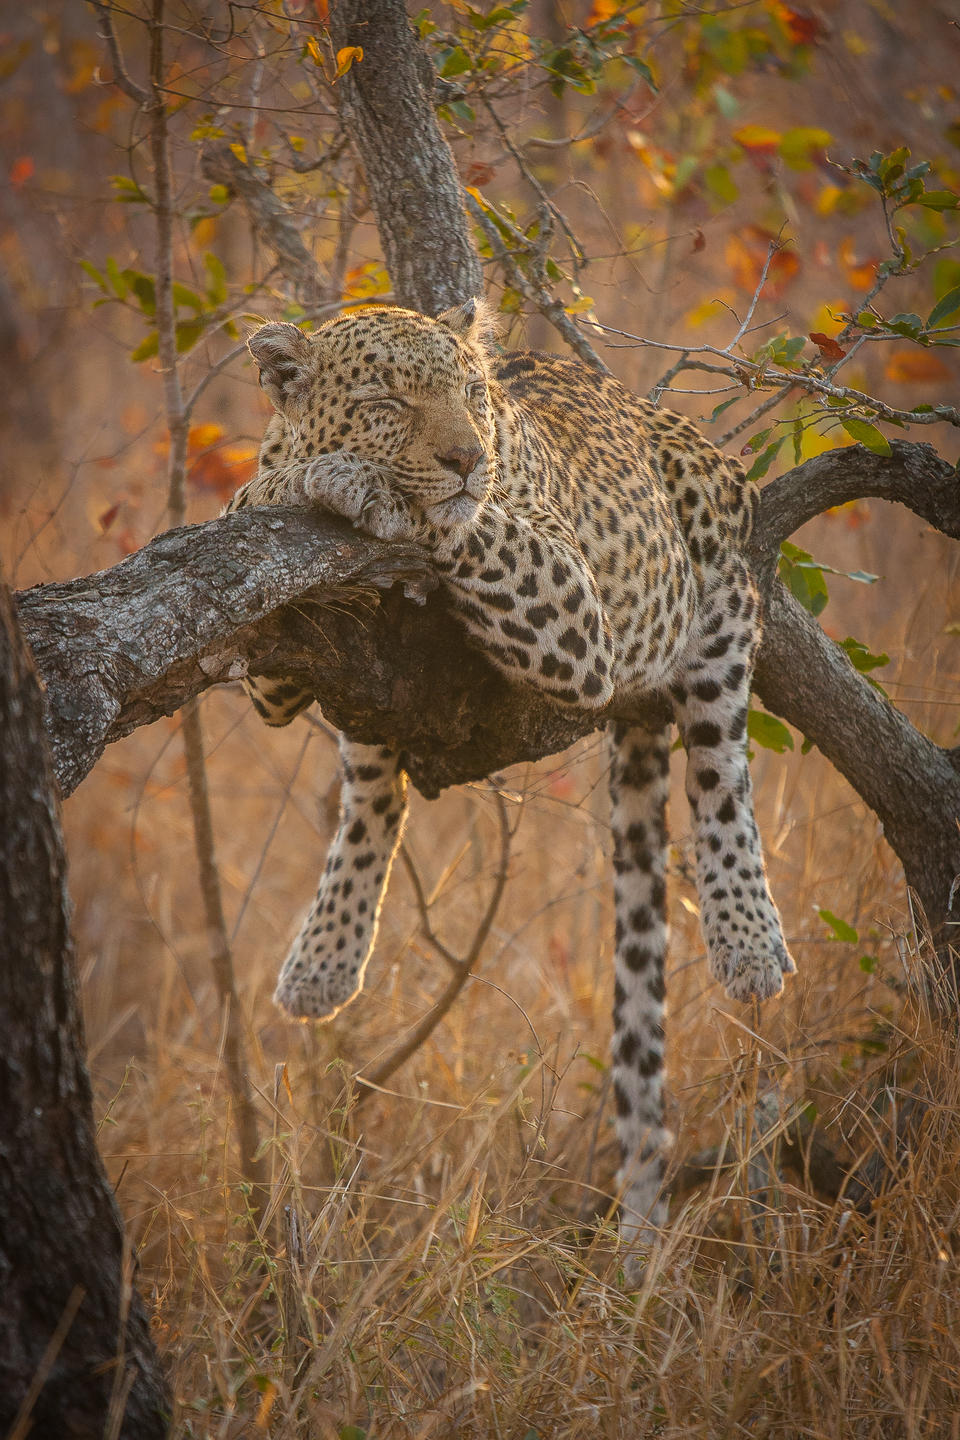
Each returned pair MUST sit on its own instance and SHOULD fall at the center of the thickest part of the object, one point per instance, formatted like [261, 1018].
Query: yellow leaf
[202, 234]
[825, 320]
[757, 137]
[952, 627]
[201, 437]
[700, 314]
[580, 306]
[346, 57]
[315, 53]
[828, 199]
[240, 152]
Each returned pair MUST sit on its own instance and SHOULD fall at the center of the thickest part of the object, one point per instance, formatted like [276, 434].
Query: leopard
[593, 546]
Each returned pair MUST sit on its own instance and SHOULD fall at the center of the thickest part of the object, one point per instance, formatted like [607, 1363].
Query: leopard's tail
[639, 786]
[277, 699]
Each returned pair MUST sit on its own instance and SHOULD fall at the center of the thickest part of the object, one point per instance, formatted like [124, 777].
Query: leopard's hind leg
[639, 785]
[325, 966]
[711, 691]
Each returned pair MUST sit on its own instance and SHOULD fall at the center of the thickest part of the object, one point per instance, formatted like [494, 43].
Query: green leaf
[909, 325]
[840, 928]
[188, 333]
[868, 964]
[768, 731]
[144, 289]
[147, 347]
[117, 278]
[721, 184]
[939, 200]
[128, 192]
[216, 278]
[352, 1432]
[190, 298]
[943, 309]
[219, 194]
[863, 660]
[803, 577]
[867, 435]
[94, 274]
[458, 62]
[763, 461]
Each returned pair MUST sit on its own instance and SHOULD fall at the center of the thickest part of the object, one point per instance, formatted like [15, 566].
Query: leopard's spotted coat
[593, 546]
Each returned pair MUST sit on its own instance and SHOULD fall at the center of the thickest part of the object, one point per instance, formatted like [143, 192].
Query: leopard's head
[394, 387]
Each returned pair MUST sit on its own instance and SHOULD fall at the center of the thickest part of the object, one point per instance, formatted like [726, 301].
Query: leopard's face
[395, 388]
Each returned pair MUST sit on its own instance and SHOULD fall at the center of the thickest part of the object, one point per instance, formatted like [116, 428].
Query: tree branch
[269, 218]
[293, 591]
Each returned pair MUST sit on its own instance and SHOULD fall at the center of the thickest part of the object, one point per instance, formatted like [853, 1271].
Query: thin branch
[463, 968]
[269, 218]
[539, 296]
[177, 418]
[121, 78]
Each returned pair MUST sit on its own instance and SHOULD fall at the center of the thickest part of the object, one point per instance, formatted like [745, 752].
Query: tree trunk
[386, 105]
[75, 1347]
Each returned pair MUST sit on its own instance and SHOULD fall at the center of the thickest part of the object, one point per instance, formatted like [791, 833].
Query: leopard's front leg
[527, 595]
[711, 690]
[343, 483]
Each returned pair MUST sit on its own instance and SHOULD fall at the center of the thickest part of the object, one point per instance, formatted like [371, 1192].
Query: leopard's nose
[461, 459]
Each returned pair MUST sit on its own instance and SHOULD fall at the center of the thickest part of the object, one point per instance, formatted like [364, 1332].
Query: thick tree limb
[198, 605]
[123, 647]
[288, 590]
[911, 784]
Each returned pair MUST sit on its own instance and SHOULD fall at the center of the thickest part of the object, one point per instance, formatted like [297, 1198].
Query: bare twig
[462, 968]
[539, 296]
[269, 217]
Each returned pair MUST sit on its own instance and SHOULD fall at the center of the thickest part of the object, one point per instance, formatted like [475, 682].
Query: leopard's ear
[472, 321]
[284, 355]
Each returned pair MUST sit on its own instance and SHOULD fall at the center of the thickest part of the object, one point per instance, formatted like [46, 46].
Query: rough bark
[75, 1346]
[386, 107]
[402, 674]
[198, 605]
[191, 609]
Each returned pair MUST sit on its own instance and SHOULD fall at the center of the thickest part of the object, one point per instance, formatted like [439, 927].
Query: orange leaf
[802, 27]
[859, 273]
[322, 9]
[346, 57]
[201, 437]
[910, 367]
[827, 346]
[746, 254]
[758, 137]
[21, 170]
[478, 172]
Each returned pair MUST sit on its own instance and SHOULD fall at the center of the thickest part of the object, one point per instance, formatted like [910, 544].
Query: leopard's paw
[316, 988]
[753, 968]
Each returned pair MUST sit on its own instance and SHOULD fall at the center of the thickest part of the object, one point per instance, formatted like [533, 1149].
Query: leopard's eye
[387, 404]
